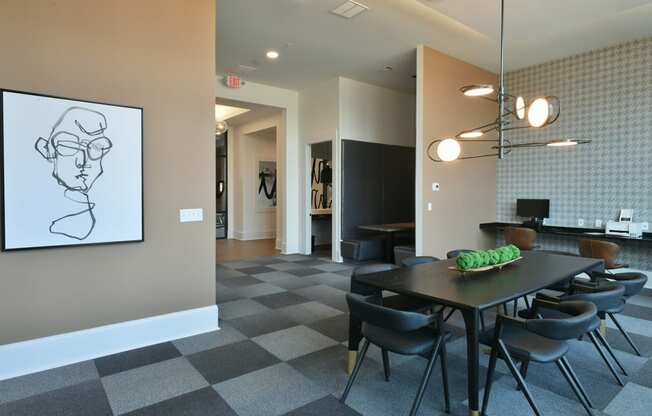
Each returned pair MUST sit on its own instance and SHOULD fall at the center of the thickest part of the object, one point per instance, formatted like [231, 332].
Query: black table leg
[471, 321]
[389, 248]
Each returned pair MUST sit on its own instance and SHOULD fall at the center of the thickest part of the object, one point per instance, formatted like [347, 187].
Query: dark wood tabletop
[389, 228]
[434, 281]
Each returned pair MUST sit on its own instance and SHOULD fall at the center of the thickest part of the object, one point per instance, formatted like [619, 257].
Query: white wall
[374, 114]
[288, 156]
[248, 144]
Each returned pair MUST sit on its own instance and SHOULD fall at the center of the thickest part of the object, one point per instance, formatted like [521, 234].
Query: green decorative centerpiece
[483, 260]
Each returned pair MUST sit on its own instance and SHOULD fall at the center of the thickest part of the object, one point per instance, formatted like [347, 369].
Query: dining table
[389, 230]
[473, 293]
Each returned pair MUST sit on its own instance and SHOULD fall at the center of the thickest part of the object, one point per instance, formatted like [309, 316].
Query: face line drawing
[76, 147]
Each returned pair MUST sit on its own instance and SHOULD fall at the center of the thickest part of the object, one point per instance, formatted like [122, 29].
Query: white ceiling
[316, 45]
[255, 111]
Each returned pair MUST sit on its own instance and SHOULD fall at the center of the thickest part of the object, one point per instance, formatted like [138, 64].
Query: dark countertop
[567, 231]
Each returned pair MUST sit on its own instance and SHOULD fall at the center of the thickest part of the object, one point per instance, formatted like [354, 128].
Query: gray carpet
[281, 351]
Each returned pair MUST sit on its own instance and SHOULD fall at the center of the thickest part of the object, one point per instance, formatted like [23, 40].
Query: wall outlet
[191, 215]
[429, 206]
[435, 187]
[598, 223]
[645, 226]
[580, 222]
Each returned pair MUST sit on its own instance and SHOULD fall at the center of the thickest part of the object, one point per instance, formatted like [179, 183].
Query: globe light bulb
[539, 112]
[448, 150]
[519, 108]
[221, 127]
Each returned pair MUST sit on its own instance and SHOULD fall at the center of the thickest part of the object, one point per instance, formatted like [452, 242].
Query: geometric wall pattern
[606, 96]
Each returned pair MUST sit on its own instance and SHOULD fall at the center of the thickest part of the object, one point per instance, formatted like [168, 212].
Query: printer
[625, 227]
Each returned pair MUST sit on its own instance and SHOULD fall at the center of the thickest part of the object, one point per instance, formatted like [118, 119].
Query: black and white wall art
[266, 185]
[72, 172]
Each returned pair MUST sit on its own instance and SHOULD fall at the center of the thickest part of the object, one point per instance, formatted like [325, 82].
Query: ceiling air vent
[350, 9]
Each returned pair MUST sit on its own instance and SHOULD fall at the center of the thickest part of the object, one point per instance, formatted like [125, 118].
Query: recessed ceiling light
[272, 55]
[388, 68]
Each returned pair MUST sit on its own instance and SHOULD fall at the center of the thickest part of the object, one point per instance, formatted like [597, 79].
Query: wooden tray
[498, 266]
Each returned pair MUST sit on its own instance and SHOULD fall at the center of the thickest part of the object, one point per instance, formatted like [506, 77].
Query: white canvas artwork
[72, 172]
[266, 185]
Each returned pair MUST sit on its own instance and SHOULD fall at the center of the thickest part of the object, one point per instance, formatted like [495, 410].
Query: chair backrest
[582, 315]
[365, 310]
[414, 260]
[521, 237]
[456, 253]
[600, 249]
[365, 290]
[605, 296]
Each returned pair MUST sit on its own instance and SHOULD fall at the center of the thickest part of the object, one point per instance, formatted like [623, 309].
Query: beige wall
[468, 188]
[156, 54]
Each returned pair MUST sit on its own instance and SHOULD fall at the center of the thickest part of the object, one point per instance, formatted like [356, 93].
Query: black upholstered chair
[405, 333]
[606, 297]
[416, 260]
[398, 302]
[456, 253]
[541, 341]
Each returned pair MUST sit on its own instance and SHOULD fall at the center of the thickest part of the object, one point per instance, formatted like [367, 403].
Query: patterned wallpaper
[606, 96]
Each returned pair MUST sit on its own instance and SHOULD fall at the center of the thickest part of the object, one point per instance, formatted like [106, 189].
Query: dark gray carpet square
[128, 360]
[336, 327]
[304, 271]
[280, 300]
[327, 406]
[262, 323]
[197, 403]
[82, 399]
[256, 270]
[231, 361]
[240, 281]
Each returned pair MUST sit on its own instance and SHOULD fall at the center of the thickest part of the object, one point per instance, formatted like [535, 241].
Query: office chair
[541, 341]
[606, 297]
[633, 282]
[415, 260]
[521, 237]
[405, 333]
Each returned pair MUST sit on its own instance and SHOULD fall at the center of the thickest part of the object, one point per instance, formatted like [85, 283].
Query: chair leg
[452, 311]
[505, 309]
[425, 378]
[356, 370]
[515, 307]
[386, 364]
[625, 334]
[527, 302]
[444, 376]
[606, 345]
[605, 359]
[579, 385]
[490, 380]
[515, 373]
[569, 379]
[524, 367]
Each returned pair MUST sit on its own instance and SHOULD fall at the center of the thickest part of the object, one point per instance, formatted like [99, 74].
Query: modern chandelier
[514, 113]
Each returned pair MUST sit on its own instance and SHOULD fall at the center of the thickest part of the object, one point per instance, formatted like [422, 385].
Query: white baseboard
[40, 354]
[254, 235]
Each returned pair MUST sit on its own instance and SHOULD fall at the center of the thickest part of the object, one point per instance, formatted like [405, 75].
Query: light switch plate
[580, 222]
[598, 223]
[435, 187]
[645, 226]
[429, 206]
[191, 215]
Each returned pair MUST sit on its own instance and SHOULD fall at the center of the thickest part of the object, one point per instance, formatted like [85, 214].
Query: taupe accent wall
[155, 54]
[468, 187]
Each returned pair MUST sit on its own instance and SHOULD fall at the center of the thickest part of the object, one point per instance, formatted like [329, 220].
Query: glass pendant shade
[448, 150]
[519, 108]
[562, 143]
[471, 134]
[539, 112]
[478, 90]
[221, 127]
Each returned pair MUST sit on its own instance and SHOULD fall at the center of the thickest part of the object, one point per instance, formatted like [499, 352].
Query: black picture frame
[3, 196]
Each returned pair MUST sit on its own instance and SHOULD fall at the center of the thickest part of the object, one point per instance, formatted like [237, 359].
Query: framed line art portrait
[72, 172]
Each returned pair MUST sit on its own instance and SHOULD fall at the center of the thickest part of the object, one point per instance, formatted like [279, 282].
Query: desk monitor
[533, 208]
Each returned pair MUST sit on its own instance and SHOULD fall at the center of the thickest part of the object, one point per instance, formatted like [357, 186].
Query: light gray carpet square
[150, 384]
[333, 267]
[305, 313]
[283, 267]
[293, 342]
[271, 277]
[271, 391]
[260, 289]
[633, 400]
